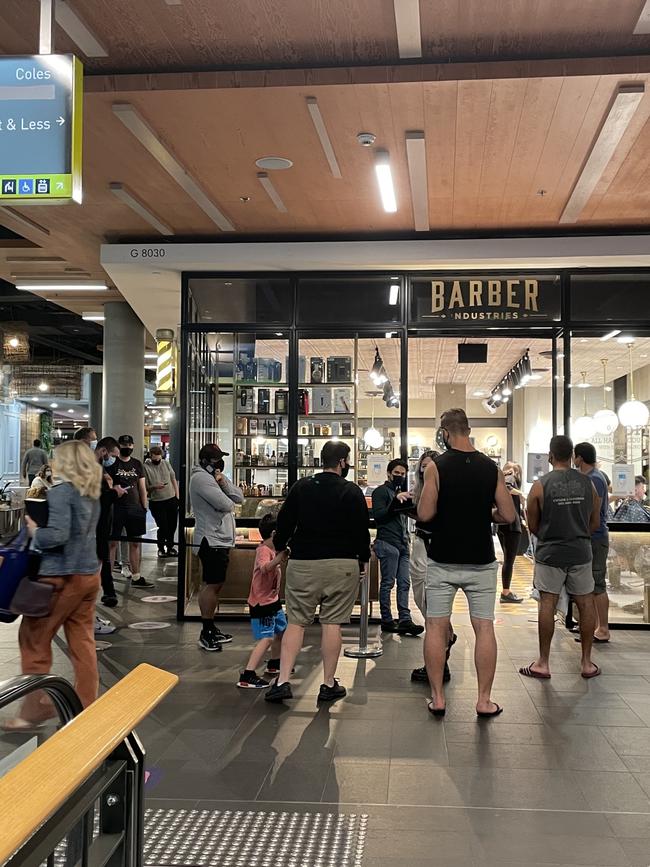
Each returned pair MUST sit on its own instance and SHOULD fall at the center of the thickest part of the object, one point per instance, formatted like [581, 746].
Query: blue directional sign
[41, 128]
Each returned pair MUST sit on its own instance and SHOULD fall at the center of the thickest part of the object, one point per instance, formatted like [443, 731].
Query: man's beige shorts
[332, 584]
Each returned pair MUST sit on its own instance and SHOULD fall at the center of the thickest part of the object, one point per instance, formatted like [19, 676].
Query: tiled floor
[562, 777]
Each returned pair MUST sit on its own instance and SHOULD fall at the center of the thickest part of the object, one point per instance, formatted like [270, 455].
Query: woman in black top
[510, 534]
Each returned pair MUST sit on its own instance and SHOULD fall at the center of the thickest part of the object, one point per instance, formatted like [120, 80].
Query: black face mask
[156, 461]
[398, 482]
[125, 451]
[345, 469]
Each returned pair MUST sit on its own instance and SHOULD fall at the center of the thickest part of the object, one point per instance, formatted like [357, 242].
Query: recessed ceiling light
[62, 287]
[53, 405]
[93, 316]
[77, 30]
[321, 132]
[86, 415]
[416, 158]
[43, 386]
[271, 191]
[479, 394]
[129, 199]
[34, 398]
[70, 410]
[611, 334]
[151, 355]
[385, 181]
[626, 339]
[273, 164]
[407, 24]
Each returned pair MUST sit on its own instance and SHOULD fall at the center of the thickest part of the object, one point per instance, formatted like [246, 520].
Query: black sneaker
[510, 599]
[143, 584]
[222, 637]
[208, 641]
[331, 693]
[407, 627]
[278, 692]
[389, 625]
[110, 601]
[419, 675]
[249, 680]
[172, 552]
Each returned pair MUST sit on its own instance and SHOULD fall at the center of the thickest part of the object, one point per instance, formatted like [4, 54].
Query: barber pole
[166, 368]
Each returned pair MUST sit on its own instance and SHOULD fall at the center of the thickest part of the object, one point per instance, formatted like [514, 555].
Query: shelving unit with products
[261, 418]
[327, 401]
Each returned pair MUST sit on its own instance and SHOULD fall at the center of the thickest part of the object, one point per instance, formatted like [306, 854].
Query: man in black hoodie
[324, 522]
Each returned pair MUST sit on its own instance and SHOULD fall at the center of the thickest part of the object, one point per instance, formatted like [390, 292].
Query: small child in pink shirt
[268, 620]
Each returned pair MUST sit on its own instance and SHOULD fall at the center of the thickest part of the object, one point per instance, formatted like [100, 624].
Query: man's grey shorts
[599, 551]
[578, 580]
[478, 583]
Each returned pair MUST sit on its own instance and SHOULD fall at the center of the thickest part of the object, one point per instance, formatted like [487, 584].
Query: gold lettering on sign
[456, 297]
[494, 293]
[475, 293]
[437, 296]
[531, 288]
[511, 292]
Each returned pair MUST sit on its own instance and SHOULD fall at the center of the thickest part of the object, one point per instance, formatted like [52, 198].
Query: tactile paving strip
[234, 838]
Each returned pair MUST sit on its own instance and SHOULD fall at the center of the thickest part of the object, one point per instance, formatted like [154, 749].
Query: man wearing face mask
[213, 498]
[390, 504]
[130, 511]
[162, 489]
[106, 453]
[87, 435]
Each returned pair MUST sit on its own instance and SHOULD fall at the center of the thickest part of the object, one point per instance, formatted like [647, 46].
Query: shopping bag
[15, 559]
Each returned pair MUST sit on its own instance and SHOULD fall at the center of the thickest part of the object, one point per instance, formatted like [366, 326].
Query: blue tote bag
[14, 566]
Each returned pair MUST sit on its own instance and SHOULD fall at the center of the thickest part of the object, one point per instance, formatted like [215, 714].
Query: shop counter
[628, 573]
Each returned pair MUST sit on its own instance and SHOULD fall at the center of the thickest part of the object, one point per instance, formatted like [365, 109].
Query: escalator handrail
[62, 693]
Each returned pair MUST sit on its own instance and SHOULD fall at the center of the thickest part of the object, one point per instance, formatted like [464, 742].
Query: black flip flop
[593, 673]
[436, 711]
[485, 714]
[529, 671]
[596, 640]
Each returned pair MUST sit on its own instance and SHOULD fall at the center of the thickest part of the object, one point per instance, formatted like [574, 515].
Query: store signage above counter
[479, 300]
[40, 128]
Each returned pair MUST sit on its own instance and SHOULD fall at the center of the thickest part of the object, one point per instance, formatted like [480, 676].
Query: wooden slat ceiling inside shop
[506, 140]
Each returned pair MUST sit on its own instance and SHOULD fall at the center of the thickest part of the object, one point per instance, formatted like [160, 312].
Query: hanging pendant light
[583, 427]
[372, 437]
[605, 420]
[633, 413]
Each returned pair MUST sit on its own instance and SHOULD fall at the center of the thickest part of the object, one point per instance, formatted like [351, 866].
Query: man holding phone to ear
[213, 498]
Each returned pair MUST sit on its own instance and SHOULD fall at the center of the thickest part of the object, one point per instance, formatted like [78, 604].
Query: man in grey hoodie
[213, 498]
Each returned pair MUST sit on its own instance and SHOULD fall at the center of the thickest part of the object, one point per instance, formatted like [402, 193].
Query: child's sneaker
[249, 680]
[273, 667]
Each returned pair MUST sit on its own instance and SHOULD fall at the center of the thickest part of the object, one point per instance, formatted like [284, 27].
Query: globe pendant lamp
[583, 427]
[633, 413]
[605, 420]
[372, 437]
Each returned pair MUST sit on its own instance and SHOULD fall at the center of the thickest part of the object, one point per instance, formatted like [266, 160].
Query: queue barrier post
[363, 650]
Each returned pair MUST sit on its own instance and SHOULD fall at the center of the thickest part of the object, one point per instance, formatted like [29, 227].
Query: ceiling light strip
[271, 192]
[321, 132]
[416, 156]
[131, 201]
[28, 223]
[77, 30]
[385, 181]
[643, 24]
[620, 114]
[407, 24]
[62, 287]
[150, 141]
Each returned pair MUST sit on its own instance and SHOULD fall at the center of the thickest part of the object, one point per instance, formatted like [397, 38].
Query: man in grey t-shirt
[563, 512]
[34, 459]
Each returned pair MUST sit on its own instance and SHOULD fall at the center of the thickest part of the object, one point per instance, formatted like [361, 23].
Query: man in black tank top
[563, 512]
[464, 492]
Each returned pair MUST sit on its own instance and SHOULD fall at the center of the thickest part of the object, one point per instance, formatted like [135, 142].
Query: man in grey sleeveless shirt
[563, 512]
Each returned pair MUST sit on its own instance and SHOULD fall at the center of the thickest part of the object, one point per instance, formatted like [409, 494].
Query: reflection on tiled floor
[562, 777]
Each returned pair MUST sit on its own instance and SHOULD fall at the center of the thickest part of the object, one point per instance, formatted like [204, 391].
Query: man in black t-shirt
[130, 511]
[464, 492]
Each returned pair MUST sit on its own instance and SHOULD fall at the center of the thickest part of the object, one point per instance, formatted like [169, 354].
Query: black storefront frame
[562, 329]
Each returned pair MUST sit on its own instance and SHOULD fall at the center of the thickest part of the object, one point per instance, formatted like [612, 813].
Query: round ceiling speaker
[273, 164]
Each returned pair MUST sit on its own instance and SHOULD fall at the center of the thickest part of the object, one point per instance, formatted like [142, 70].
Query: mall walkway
[562, 778]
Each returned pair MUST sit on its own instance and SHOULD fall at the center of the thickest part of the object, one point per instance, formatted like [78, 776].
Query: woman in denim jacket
[69, 561]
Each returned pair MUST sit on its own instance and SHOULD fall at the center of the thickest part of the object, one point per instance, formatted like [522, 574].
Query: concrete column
[123, 383]
[95, 398]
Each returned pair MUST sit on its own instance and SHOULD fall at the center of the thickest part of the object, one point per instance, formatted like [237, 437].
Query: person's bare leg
[587, 609]
[208, 600]
[436, 640]
[485, 661]
[330, 648]
[258, 653]
[112, 552]
[291, 647]
[135, 557]
[545, 629]
[601, 604]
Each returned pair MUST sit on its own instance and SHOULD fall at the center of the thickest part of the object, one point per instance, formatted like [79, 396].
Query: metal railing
[93, 812]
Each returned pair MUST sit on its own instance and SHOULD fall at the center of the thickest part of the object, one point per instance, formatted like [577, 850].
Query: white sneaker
[103, 627]
[126, 572]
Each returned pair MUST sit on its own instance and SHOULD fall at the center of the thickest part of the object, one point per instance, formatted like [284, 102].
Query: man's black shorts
[132, 522]
[214, 562]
